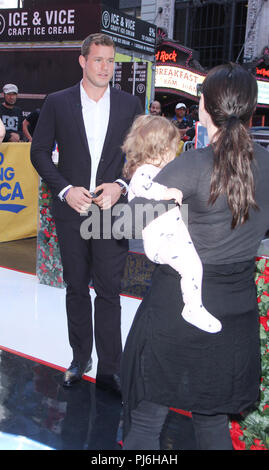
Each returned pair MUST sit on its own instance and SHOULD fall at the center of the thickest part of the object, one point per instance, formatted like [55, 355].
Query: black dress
[170, 362]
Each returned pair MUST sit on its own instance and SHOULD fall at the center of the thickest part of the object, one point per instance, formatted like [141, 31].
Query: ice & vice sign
[25, 23]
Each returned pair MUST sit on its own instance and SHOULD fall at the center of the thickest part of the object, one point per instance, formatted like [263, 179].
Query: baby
[166, 239]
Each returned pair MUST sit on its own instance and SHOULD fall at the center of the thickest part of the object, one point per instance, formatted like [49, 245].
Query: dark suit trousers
[103, 262]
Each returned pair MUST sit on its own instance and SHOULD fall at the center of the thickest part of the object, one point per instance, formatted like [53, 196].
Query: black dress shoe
[75, 372]
[109, 382]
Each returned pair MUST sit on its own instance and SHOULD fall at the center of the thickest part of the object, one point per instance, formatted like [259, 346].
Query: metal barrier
[188, 145]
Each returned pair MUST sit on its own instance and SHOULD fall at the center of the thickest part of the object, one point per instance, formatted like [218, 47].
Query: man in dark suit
[89, 122]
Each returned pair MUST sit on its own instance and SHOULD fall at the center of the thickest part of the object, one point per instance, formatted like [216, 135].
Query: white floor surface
[33, 319]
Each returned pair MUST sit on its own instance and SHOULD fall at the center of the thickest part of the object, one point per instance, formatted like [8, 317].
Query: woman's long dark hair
[230, 98]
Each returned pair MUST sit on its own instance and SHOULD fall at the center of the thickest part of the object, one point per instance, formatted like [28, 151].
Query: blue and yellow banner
[18, 193]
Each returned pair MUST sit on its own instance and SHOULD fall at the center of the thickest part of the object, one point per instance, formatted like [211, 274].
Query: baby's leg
[167, 241]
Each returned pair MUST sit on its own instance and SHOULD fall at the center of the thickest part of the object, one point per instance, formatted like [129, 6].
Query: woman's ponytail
[231, 104]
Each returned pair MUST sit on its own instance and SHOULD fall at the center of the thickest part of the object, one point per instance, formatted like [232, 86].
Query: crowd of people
[20, 129]
[194, 342]
[184, 119]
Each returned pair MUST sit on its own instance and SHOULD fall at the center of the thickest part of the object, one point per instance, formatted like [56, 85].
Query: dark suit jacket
[61, 120]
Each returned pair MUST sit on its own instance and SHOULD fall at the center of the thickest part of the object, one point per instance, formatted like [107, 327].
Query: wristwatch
[65, 194]
[124, 190]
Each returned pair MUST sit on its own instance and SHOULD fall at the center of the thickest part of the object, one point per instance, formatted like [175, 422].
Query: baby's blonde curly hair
[151, 139]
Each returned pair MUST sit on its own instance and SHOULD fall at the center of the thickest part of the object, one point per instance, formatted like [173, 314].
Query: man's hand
[110, 195]
[79, 199]
[14, 137]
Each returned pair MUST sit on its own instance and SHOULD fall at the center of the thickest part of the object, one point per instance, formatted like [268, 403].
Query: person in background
[193, 115]
[192, 118]
[11, 115]
[180, 120]
[184, 122]
[29, 124]
[167, 362]
[155, 108]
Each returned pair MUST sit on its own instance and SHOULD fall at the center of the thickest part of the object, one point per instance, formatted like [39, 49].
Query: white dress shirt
[95, 117]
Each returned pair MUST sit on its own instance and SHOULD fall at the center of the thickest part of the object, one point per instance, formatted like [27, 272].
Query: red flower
[258, 445]
[258, 278]
[44, 196]
[264, 322]
[266, 271]
[43, 268]
[46, 233]
[236, 432]
[265, 277]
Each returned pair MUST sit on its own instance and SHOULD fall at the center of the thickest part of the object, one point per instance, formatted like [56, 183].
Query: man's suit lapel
[77, 113]
[113, 114]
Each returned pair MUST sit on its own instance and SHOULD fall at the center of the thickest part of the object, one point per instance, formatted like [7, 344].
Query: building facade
[216, 31]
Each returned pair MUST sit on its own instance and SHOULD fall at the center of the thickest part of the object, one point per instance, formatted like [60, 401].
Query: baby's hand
[173, 193]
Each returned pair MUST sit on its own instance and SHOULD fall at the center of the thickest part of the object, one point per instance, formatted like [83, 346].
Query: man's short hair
[99, 39]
